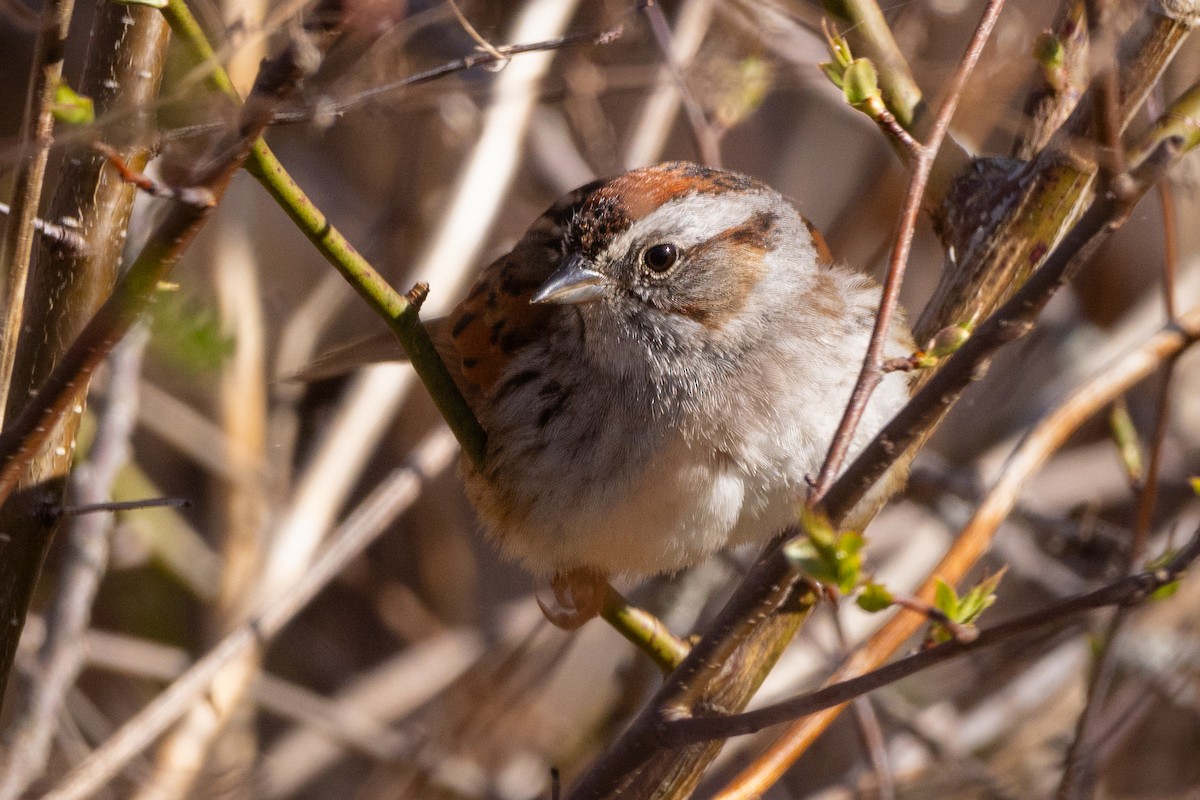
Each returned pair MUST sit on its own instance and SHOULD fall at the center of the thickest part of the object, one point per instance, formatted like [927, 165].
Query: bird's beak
[571, 284]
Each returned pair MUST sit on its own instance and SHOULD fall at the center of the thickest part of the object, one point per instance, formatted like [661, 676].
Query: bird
[660, 364]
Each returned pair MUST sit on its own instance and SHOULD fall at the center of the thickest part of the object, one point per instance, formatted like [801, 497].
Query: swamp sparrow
[660, 364]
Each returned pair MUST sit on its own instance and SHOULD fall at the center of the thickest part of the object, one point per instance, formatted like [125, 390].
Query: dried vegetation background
[424, 669]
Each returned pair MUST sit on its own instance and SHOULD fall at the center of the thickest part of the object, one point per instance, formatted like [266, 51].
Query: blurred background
[425, 669]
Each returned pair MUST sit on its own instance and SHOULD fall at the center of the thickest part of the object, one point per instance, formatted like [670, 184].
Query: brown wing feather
[496, 319]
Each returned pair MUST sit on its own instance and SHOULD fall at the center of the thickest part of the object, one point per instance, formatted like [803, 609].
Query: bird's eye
[660, 257]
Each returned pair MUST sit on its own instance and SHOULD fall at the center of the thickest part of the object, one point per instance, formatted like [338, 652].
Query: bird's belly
[682, 505]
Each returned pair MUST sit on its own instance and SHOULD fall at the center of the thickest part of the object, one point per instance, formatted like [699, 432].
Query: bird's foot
[571, 598]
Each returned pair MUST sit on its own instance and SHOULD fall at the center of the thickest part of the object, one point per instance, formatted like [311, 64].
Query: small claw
[571, 598]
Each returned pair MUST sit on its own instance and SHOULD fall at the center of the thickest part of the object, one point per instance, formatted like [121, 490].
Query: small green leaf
[1165, 591]
[945, 599]
[1195, 484]
[874, 597]
[72, 108]
[979, 599]
[860, 82]
[972, 604]
[826, 556]
[839, 50]
[833, 72]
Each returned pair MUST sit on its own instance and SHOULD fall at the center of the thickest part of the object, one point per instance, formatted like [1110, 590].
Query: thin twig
[1102, 43]
[466, 25]
[125, 505]
[504, 53]
[867, 722]
[198, 196]
[656, 118]
[872, 371]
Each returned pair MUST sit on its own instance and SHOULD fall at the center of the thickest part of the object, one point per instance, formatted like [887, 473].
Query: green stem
[643, 630]
[191, 35]
[399, 313]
